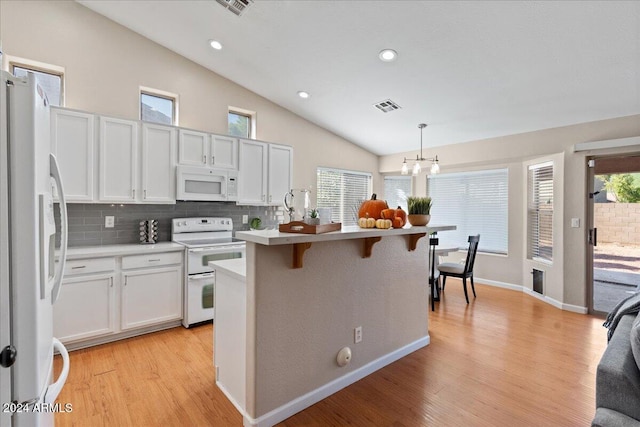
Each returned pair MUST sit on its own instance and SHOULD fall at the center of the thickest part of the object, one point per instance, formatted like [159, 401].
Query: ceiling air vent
[387, 105]
[236, 6]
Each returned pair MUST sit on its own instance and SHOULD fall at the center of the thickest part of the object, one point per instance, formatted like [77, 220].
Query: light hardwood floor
[505, 359]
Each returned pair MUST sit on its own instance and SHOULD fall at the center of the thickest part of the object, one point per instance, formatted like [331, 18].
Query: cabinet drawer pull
[78, 267]
[154, 260]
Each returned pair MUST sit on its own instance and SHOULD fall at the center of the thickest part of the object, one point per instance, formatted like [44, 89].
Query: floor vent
[538, 281]
[236, 6]
[387, 105]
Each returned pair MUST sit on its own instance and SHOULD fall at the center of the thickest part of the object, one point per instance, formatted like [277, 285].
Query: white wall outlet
[575, 222]
[357, 334]
[245, 219]
[109, 221]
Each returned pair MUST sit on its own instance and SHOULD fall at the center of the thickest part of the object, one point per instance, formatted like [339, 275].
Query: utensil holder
[148, 231]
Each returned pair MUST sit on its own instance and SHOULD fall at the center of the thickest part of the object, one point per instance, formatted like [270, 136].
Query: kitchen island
[283, 317]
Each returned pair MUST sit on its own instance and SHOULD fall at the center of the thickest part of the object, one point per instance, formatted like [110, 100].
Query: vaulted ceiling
[469, 69]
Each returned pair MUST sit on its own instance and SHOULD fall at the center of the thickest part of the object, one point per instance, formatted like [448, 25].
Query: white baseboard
[288, 409]
[548, 300]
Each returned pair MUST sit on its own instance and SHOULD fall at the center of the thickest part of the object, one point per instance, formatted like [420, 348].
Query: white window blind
[540, 211]
[343, 191]
[477, 203]
[396, 191]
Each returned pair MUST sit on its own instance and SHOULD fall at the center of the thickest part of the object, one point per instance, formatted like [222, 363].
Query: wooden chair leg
[473, 287]
[464, 284]
[444, 280]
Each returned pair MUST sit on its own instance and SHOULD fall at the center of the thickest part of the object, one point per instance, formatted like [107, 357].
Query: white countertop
[236, 267]
[274, 237]
[80, 252]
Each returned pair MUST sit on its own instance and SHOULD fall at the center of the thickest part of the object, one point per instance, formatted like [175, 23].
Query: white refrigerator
[30, 279]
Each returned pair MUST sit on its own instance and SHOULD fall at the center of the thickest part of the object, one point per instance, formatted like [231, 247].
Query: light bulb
[435, 168]
[416, 169]
[405, 168]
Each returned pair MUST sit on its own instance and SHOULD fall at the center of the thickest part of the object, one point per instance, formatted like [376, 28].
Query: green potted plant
[419, 210]
[313, 219]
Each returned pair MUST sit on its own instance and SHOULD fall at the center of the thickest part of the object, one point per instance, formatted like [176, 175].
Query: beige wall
[105, 65]
[515, 151]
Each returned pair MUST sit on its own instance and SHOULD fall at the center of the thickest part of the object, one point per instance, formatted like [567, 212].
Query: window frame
[342, 215]
[533, 211]
[251, 115]
[55, 70]
[467, 179]
[157, 93]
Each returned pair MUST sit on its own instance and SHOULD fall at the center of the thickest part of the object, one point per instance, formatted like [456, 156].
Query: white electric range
[206, 239]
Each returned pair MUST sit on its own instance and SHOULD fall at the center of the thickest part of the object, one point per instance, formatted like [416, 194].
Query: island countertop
[275, 237]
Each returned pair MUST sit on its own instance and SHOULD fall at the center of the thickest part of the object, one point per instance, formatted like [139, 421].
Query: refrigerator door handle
[57, 279]
[54, 389]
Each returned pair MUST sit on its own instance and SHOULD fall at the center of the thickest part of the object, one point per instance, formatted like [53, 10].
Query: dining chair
[462, 271]
[433, 277]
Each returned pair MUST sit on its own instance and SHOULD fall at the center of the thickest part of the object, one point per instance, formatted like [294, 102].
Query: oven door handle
[202, 276]
[219, 249]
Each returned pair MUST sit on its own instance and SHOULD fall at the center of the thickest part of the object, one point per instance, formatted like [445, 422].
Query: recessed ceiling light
[388, 55]
[215, 44]
[304, 95]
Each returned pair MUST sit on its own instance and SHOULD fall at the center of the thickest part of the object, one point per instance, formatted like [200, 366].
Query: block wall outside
[618, 223]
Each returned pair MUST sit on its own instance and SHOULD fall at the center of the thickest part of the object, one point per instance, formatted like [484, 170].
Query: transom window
[477, 203]
[50, 81]
[239, 124]
[158, 107]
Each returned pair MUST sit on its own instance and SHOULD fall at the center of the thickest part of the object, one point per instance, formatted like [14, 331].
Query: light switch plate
[245, 219]
[575, 222]
[109, 221]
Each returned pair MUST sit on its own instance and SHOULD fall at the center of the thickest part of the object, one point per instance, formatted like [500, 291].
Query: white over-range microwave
[206, 184]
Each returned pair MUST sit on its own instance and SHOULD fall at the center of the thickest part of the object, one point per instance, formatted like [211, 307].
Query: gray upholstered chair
[462, 271]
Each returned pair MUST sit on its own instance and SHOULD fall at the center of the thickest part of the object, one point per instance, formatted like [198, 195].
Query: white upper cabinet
[118, 159]
[280, 172]
[252, 179]
[158, 163]
[194, 148]
[266, 172]
[73, 144]
[224, 152]
[203, 149]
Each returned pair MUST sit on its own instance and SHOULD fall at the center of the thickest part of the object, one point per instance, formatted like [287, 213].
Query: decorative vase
[418, 220]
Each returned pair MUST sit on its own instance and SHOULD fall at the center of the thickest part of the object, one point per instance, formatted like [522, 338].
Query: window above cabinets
[241, 123]
[50, 77]
[158, 106]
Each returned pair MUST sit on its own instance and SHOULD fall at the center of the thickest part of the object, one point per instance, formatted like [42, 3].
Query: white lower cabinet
[109, 298]
[151, 296]
[86, 308]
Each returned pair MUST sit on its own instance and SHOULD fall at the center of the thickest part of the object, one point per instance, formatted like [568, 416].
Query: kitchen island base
[298, 319]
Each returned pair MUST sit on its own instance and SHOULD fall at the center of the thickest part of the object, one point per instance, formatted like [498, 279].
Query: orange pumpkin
[388, 214]
[398, 222]
[402, 215]
[372, 208]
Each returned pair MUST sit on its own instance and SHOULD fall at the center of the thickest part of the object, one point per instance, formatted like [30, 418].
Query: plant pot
[418, 220]
[312, 221]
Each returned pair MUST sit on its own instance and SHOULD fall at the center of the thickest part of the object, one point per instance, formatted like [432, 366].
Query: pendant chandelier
[435, 168]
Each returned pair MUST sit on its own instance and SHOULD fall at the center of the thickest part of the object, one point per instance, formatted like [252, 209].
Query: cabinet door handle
[204, 159]
[270, 198]
[78, 267]
[134, 193]
[263, 197]
[213, 160]
[145, 194]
